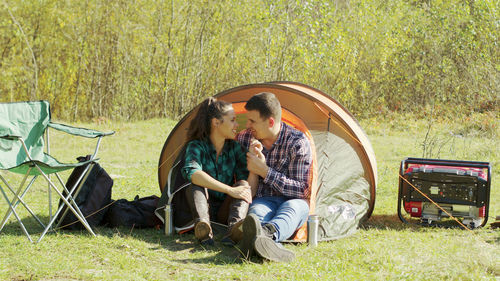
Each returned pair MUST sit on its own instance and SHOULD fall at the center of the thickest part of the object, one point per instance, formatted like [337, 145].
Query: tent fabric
[345, 175]
[28, 121]
[343, 203]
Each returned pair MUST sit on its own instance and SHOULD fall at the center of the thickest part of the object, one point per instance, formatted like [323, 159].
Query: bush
[145, 59]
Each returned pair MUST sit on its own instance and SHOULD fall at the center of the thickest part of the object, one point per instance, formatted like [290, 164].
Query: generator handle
[443, 162]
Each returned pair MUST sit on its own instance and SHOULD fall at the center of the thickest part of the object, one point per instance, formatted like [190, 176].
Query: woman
[214, 162]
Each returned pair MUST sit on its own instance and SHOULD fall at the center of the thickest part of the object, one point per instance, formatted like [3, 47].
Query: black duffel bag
[139, 213]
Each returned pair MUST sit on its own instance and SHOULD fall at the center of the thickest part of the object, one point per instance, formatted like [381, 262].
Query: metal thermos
[168, 220]
[312, 230]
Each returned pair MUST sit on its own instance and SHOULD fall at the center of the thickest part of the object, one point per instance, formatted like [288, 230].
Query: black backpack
[137, 214]
[94, 196]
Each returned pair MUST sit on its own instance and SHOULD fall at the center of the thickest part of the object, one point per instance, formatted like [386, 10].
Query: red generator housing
[461, 188]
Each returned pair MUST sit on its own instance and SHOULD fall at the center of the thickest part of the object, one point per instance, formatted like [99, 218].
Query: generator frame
[405, 164]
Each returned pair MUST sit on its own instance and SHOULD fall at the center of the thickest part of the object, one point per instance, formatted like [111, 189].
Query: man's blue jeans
[287, 215]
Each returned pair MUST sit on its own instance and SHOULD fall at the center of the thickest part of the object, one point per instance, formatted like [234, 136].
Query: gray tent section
[343, 195]
[344, 167]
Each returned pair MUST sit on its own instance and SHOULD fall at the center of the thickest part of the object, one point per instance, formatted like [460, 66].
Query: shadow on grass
[155, 237]
[386, 222]
[392, 222]
[12, 227]
[222, 254]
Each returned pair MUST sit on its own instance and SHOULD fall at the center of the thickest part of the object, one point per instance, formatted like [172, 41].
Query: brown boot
[238, 209]
[234, 235]
[236, 231]
[198, 203]
[203, 232]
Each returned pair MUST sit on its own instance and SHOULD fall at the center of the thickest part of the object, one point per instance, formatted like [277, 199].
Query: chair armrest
[10, 137]
[82, 132]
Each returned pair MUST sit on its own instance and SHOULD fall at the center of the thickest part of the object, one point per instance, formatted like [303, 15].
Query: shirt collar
[280, 140]
[225, 148]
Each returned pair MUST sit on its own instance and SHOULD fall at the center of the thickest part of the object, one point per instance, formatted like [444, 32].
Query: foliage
[144, 59]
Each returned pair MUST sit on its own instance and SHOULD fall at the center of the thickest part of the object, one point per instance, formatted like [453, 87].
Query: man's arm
[295, 183]
[245, 139]
[253, 181]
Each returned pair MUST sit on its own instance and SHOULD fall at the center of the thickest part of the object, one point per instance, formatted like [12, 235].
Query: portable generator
[460, 188]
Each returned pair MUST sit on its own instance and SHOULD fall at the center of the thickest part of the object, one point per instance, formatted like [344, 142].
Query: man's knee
[259, 209]
[263, 212]
[296, 204]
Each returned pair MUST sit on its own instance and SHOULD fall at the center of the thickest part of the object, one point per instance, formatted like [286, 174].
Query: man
[279, 162]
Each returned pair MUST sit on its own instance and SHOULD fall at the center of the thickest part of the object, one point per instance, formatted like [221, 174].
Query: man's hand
[256, 163]
[255, 146]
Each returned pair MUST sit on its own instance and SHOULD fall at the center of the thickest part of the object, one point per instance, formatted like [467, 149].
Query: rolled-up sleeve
[192, 160]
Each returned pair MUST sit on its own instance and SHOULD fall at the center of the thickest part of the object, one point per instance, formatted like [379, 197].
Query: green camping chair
[22, 129]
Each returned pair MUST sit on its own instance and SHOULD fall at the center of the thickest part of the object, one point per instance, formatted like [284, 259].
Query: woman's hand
[242, 191]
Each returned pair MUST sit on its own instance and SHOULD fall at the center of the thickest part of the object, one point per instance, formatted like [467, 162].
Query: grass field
[383, 248]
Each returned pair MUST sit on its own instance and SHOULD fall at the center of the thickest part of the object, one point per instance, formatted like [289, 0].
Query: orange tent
[344, 174]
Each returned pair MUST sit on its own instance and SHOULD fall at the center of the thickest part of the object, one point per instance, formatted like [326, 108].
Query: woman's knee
[193, 188]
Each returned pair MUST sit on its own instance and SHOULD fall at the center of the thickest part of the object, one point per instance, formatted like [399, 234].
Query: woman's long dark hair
[200, 126]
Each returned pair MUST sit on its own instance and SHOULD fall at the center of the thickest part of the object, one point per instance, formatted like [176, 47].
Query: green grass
[382, 249]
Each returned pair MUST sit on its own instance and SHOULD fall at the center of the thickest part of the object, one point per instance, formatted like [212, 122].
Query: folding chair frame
[68, 199]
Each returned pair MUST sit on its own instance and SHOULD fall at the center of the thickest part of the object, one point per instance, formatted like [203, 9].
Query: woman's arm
[243, 191]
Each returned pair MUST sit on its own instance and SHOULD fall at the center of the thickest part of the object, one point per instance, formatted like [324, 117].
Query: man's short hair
[266, 104]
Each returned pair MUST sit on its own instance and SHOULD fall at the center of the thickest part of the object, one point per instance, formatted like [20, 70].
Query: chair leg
[75, 189]
[15, 214]
[71, 198]
[18, 199]
[12, 203]
[68, 204]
